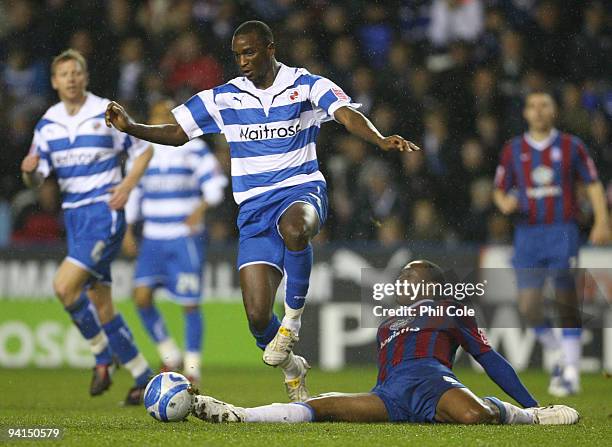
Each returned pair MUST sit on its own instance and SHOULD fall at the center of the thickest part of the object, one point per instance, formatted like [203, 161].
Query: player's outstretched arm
[358, 124]
[502, 373]
[170, 134]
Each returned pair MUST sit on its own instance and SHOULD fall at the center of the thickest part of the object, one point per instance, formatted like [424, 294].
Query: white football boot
[554, 415]
[296, 388]
[210, 409]
[278, 349]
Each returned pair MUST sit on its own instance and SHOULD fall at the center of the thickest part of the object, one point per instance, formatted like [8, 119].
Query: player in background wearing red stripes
[415, 378]
[536, 180]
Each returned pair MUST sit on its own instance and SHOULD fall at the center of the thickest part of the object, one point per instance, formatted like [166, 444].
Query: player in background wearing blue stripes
[171, 199]
[536, 181]
[271, 117]
[415, 378]
[72, 141]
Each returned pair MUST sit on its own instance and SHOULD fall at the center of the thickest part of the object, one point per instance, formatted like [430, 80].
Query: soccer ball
[167, 398]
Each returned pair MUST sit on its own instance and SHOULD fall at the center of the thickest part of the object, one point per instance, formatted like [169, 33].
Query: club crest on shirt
[542, 175]
[403, 322]
[96, 125]
[555, 154]
[294, 95]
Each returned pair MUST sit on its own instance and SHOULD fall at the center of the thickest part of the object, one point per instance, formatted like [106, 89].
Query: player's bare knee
[296, 234]
[143, 297]
[64, 291]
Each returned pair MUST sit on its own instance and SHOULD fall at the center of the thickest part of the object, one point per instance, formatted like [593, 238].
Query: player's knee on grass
[143, 297]
[461, 406]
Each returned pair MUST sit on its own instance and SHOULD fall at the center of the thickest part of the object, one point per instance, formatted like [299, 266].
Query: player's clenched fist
[395, 142]
[117, 116]
[30, 163]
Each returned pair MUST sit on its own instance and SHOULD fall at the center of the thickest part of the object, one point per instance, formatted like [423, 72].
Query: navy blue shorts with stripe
[412, 390]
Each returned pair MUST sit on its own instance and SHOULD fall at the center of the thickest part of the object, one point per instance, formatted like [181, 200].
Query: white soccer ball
[167, 398]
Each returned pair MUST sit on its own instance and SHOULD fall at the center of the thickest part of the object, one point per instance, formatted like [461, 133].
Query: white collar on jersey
[285, 78]
[546, 142]
[94, 105]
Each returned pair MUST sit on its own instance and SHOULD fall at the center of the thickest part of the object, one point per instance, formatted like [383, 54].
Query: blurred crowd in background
[449, 75]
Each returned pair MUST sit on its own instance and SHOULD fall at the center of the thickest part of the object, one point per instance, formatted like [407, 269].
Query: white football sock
[98, 343]
[289, 413]
[548, 339]
[169, 353]
[516, 415]
[572, 350]
[137, 366]
[291, 367]
[192, 364]
[292, 319]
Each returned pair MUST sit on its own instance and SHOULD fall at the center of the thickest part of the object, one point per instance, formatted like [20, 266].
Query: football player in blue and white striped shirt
[72, 141]
[172, 198]
[271, 117]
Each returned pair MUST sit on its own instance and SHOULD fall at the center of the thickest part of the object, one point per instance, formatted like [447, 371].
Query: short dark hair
[262, 30]
[541, 91]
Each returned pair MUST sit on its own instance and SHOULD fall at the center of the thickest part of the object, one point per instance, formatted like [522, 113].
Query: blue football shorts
[412, 390]
[546, 250]
[94, 233]
[177, 265]
[260, 240]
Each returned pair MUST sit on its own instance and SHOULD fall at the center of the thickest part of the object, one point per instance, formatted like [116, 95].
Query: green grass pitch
[59, 398]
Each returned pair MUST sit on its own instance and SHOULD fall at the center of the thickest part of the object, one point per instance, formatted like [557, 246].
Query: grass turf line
[59, 398]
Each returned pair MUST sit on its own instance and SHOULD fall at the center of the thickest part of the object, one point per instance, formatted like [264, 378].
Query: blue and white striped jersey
[271, 132]
[82, 151]
[173, 185]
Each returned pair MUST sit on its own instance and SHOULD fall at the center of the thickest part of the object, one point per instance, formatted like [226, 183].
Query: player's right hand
[117, 117]
[30, 163]
[509, 205]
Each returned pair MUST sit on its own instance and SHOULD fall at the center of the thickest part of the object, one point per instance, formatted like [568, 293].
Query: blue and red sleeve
[504, 176]
[585, 167]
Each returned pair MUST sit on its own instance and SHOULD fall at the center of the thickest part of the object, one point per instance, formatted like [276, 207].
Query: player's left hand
[600, 234]
[119, 196]
[194, 220]
[395, 142]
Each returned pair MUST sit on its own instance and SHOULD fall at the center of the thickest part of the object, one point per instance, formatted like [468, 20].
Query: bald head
[422, 270]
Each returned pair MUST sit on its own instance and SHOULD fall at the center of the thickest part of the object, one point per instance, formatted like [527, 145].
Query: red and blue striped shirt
[401, 339]
[544, 174]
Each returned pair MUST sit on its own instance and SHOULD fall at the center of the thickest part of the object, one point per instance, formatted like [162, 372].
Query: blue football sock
[85, 317]
[266, 336]
[298, 265]
[122, 343]
[194, 329]
[154, 323]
